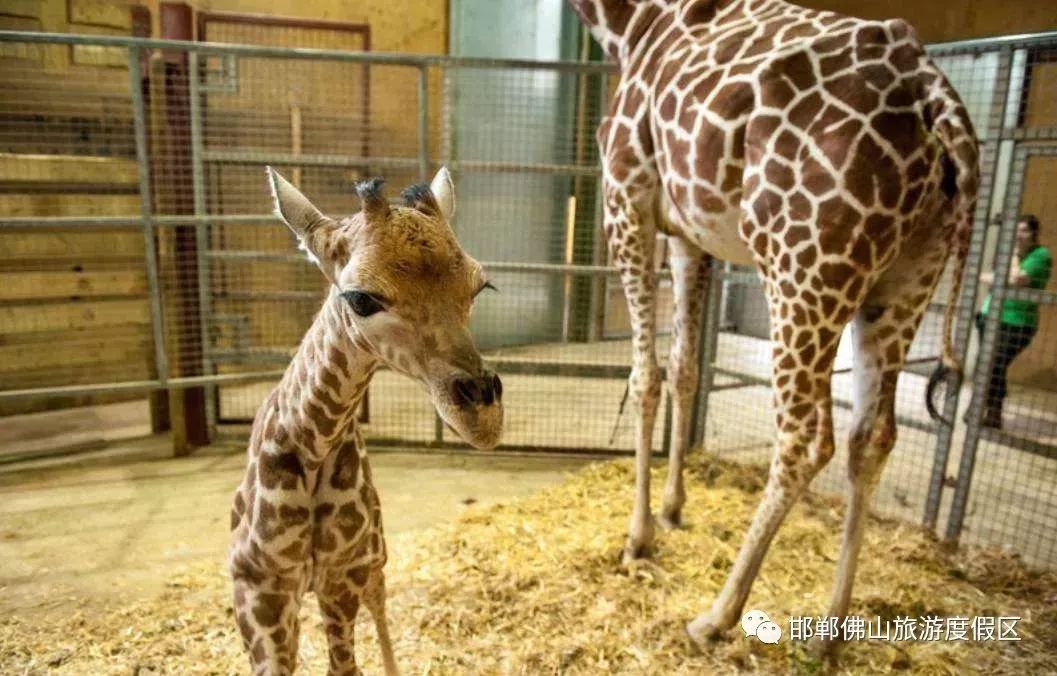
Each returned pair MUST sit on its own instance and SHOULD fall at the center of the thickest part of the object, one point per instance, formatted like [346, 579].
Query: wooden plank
[26, 243]
[35, 405]
[67, 169]
[1041, 110]
[23, 8]
[19, 51]
[50, 285]
[116, 332]
[57, 204]
[73, 315]
[101, 13]
[24, 362]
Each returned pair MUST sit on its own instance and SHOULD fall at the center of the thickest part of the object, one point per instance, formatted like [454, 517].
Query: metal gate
[215, 296]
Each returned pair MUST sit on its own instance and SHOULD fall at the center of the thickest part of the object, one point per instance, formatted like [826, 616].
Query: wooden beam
[73, 315]
[67, 169]
[52, 285]
[130, 357]
[62, 204]
[22, 244]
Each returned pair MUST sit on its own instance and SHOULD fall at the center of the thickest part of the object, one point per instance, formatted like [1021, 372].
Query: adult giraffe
[831, 153]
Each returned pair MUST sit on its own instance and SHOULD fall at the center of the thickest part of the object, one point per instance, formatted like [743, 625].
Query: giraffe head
[406, 289]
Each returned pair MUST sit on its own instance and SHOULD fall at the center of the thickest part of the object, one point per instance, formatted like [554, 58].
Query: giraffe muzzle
[468, 391]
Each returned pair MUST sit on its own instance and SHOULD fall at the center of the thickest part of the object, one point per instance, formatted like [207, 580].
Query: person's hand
[987, 277]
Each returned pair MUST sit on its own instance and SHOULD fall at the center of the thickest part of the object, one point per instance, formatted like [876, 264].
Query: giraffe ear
[312, 228]
[444, 192]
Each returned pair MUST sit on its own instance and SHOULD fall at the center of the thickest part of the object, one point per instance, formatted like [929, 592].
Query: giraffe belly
[714, 233]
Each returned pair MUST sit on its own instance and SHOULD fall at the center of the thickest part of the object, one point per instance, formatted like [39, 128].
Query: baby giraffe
[306, 516]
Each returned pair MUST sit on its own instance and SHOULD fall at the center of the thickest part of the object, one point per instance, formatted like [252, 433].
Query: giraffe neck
[317, 398]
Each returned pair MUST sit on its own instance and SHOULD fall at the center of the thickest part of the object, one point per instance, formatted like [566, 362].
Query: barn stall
[150, 301]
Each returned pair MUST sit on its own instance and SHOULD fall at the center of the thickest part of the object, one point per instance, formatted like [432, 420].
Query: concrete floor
[115, 524]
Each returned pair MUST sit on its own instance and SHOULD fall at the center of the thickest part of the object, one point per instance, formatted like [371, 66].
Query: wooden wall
[73, 303]
[953, 19]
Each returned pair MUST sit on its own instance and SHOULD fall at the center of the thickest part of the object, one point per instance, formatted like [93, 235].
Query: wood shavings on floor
[535, 587]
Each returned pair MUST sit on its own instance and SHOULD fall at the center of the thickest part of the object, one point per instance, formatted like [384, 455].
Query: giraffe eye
[363, 304]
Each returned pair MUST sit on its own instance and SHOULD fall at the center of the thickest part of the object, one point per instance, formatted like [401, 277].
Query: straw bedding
[535, 587]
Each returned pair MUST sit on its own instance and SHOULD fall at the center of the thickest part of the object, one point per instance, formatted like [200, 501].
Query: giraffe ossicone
[306, 516]
[831, 153]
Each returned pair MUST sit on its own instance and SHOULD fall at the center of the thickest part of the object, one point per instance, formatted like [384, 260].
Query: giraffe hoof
[636, 552]
[671, 520]
[702, 632]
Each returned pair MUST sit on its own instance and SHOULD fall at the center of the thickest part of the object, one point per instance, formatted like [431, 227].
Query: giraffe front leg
[690, 286]
[632, 240]
[266, 610]
[340, 592]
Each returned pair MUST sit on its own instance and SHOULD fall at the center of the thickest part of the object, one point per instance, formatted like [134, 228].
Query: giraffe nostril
[465, 392]
[488, 394]
[497, 386]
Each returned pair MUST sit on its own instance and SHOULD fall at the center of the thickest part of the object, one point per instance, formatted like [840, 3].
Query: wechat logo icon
[757, 623]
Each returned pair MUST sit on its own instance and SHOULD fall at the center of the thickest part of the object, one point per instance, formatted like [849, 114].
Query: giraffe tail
[960, 182]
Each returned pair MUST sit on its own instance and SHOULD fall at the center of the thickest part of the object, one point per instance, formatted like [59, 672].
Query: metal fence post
[202, 239]
[707, 349]
[967, 302]
[985, 361]
[423, 123]
[161, 359]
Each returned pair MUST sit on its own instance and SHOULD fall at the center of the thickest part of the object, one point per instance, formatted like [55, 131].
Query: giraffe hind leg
[690, 287]
[374, 599]
[882, 331]
[803, 365]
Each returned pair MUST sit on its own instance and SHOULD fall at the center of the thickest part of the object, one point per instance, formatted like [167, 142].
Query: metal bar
[995, 43]
[307, 160]
[423, 123]
[270, 295]
[446, 140]
[1031, 446]
[1009, 42]
[1033, 134]
[1040, 296]
[560, 268]
[600, 286]
[233, 255]
[202, 238]
[303, 53]
[481, 166]
[747, 380]
[986, 358]
[141, 385]
[489, 166]
[105, 222]
[282, 21]
[139, 118]
[498, 266]
[970, 283]
[706, 352]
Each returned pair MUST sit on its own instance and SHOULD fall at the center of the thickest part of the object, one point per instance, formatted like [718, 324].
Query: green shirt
[1037, 265]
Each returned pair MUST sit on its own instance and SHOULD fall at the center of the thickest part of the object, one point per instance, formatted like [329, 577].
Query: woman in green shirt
[1030, 268]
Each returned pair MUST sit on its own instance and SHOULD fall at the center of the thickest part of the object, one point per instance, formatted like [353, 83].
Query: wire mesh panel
[191, 129]
[74, 303]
